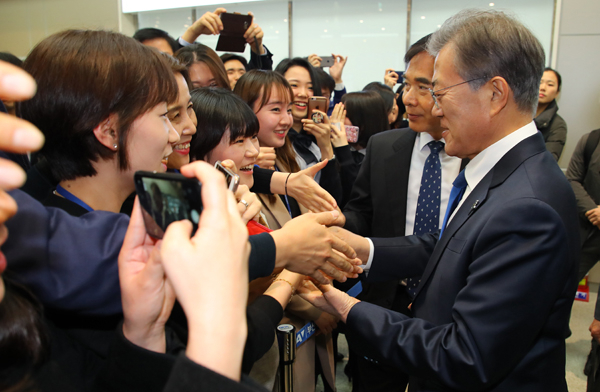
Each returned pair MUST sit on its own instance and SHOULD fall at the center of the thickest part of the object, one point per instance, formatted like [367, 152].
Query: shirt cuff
[367, 266]
[339, 86]
[184, 42]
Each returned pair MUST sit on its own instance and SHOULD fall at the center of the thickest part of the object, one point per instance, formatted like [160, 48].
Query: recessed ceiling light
[492, 4]
[422, 17]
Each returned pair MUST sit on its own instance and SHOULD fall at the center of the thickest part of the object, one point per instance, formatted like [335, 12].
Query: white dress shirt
[479, 166]
[450, 169]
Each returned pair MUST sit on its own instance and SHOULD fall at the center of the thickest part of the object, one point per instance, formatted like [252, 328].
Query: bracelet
[291, 286]
[286, 180]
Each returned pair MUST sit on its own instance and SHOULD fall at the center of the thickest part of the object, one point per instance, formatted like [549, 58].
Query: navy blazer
[70, 262]
[492, 309]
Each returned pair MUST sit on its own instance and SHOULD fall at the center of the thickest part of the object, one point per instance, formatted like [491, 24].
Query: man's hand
[254, 36]
[594, 216]
[595, 330]
[360, 244]
[304, 245]
[315, 60]
[209, 24]
[328, 299]
[339, 62]
[266, 158]
[326, 323]
[146, 295]
[390, 78]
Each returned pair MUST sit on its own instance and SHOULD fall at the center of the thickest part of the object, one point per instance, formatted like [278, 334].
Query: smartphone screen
[166, 198]
[232, 179]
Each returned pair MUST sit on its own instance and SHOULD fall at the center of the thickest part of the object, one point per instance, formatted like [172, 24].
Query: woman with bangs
[270, 97]
[102, 107]
[204, 66]
[311, 141]
[101, 104]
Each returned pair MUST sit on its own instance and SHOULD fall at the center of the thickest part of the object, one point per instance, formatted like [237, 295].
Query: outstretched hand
[328, 299]
[302, 187]
[305, 245]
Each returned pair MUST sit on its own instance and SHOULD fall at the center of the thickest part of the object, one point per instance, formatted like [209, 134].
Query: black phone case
[182, 202]
[232, 38]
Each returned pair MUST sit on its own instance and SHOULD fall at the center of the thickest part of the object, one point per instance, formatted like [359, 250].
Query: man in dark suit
[492, 309]
[386, 194]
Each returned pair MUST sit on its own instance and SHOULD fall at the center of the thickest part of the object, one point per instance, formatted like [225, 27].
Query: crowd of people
[424, 223]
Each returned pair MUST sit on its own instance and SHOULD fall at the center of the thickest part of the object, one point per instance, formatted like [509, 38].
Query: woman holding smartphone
[311, 141]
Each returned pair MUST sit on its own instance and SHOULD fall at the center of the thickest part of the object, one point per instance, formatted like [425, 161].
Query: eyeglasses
[435, 96]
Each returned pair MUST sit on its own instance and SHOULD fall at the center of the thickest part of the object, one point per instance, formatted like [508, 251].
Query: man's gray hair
[492, 43]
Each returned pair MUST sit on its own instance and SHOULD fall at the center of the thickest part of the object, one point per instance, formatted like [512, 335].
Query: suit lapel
[397, 168]
[496, 176]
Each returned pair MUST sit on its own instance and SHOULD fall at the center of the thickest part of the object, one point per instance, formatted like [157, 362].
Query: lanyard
[71, 197]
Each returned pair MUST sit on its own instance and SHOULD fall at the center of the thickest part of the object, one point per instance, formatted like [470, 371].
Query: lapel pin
[475, 205]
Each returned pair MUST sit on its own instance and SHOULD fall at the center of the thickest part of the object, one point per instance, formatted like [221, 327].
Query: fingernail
[20, 84]
[28, 138]
[12, 177]
[335, 213]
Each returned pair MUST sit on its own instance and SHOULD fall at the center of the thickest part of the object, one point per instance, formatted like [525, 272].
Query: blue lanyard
[287, 202]
[71, 197]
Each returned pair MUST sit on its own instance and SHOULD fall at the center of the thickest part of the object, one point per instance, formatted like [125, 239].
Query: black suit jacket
[492, 309]
[377, 207]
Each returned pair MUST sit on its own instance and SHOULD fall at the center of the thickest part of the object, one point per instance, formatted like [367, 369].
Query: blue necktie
[458, 189]
[427, 218]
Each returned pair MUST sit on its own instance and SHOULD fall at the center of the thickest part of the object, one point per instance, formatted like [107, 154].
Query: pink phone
[351, 133]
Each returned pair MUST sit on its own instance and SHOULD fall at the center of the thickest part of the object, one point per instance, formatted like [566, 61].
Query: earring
[115, 146]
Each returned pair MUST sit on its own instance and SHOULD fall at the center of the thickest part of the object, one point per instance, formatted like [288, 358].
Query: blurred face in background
[548, 88]
[201, 75]
[235, 69]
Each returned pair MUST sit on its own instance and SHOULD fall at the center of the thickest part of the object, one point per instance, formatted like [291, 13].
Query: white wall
[578, 62]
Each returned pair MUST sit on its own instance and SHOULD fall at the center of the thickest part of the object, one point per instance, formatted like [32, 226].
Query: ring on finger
[245, 203]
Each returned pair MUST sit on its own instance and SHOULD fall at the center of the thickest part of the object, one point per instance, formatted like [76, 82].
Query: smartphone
[317, 103]
[400, 75]
[233, 180]
[327, 61]
[166, 198]
[231, 38]
[351, 133]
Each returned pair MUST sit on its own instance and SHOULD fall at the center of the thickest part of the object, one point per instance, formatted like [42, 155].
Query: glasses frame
[435, 97]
